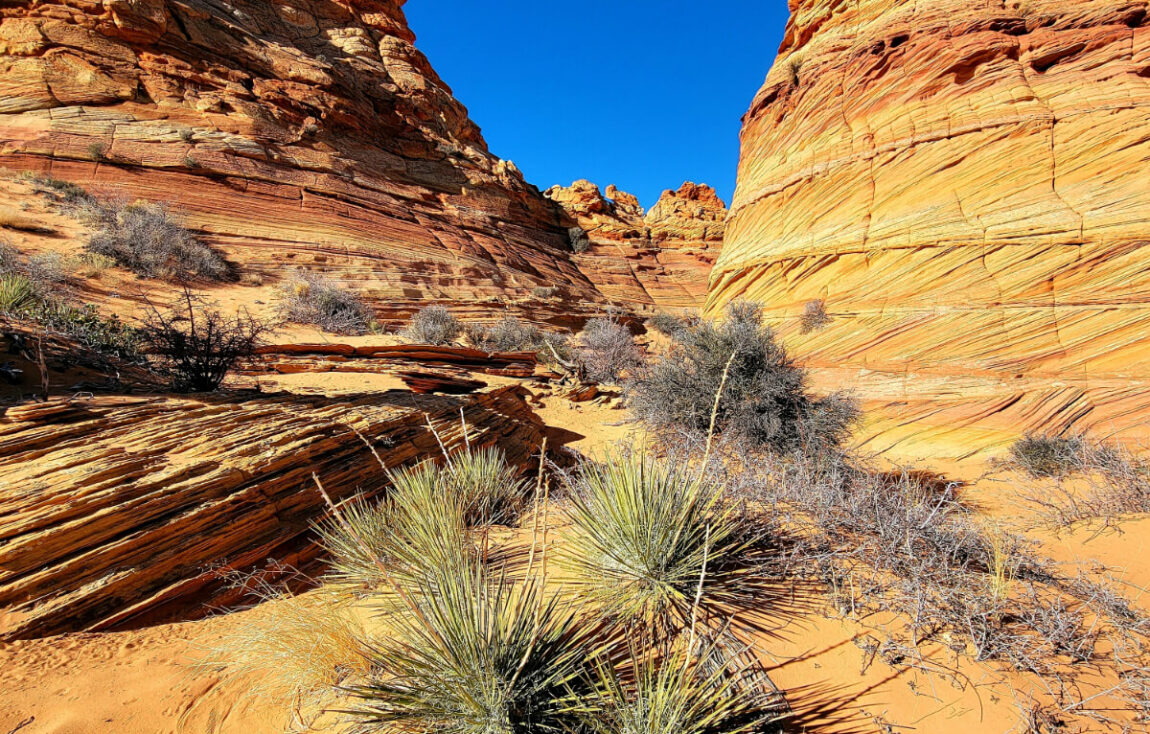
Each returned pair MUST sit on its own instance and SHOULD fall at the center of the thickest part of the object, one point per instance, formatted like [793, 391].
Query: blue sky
[640, 93]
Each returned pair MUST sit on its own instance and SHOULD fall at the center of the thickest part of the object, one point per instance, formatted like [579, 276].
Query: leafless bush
[149, 239]
[49, 269]
[197, 346]
[545, 291]
[764, 399]
[433, 325]
[580, 243]
[310, 298]
[814, 316]
[605, 350]
[1114, 481]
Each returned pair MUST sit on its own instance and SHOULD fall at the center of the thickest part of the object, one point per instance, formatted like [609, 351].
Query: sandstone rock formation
[291, 133]
[965, 185]
[660, 258]
[136, 506]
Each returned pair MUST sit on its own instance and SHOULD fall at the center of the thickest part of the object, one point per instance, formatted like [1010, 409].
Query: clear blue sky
[644, 94]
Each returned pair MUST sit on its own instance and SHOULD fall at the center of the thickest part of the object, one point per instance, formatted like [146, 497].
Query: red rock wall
[967, 186]
[293, 132]
[659, 259]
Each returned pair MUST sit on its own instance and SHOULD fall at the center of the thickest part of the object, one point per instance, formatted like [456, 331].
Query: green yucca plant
[17, 292]
[679, 693]
[477, 654]
[489, 491]
[423, 526]
[651, 539]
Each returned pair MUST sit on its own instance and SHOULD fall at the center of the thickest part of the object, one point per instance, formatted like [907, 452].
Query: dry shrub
[311, 298]
[196, 345]
[1113, 481]
[764, 402]
[814, 316]
[510, 334]
[669, 324]
[294, 649]
[148, 239]
[545, 291]
[605, 350]
[433, 325]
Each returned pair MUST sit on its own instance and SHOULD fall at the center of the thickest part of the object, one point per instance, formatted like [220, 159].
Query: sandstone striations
[965, 186]
[661, 258]
[296, 133]
[133, 506]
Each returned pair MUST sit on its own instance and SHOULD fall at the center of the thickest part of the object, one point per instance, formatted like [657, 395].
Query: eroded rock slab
[139, 504]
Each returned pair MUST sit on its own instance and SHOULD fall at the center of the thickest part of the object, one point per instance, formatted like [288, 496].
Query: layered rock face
[291, 133]
[127, 508]
[661, 258]
[965, 186]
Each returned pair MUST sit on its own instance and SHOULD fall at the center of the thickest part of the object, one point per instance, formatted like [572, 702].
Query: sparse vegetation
[148, 239]
[197, 345]
[1050, 456]
[433, 325]
[510, 334]
[814, 316]
[580, 242]
[311, 298]
[545, 291]
[669, 324]
[606, 350]
[764, 401]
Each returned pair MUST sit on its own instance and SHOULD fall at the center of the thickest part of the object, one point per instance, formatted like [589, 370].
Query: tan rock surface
[966, 186]
[306, 133]
[135, 506]
[659, 259]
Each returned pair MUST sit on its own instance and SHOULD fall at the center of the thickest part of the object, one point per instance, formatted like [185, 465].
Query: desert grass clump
[477, 654]
[651, 541]
[764, 401]
[814, 316]
[433, 325]
[311, 298]
[195, 345]
[605, 350]
[292, 649]
[149, 239]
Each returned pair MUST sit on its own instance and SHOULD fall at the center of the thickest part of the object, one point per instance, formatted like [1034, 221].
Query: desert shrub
[764, 401]
[433, 325]
[605, 350]
[814, 316]
[643, 530]
[310, 298]
[150, 241]
[91, 265]
[478, 654]
[197, 346]
[48, 268]
[510, 334]
[545, 291]
[669, 324]
[69, 192]
[107, 335]
[580, 242]
[1115, 482]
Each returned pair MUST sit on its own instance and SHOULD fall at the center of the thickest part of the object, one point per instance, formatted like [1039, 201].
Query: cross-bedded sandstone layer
[661, 258]
[290, 133]
[125, 507]
[967, 187]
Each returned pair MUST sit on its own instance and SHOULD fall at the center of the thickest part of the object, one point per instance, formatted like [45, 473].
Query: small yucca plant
[650, 539]
[679, 694]
[17, 292]
[476, 655]
[423, 525]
